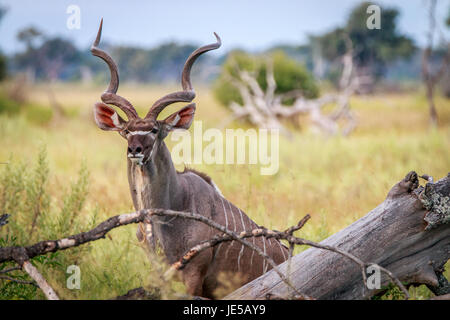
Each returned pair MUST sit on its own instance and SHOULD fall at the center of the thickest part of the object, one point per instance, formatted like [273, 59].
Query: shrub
[289, 75]
[36, 215]
[34, 113]
[8, 106]
[38, 114]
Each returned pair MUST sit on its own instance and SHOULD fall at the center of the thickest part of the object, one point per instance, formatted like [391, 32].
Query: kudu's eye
[154, 130]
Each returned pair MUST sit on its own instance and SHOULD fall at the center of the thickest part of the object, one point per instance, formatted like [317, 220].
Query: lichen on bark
[437, 205]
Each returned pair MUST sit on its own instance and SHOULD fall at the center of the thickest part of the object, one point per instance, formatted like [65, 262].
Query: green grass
[337, 180]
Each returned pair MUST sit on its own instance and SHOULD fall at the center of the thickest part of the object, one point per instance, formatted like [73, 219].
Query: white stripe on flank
[218, 248]
[239, 257]
[232, 215]
[282, 251]
[217, 188]
[242, 220]
[226, 224]
[264, 260]
[253, 252]
[225, 213]
[234, 229]
[252, 225]
[242, 246]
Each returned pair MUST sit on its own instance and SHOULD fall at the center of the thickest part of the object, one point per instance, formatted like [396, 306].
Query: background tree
[57, 55]
[432, 73]
[448, 18]
[290, 76]
[160, 64]
[29, 36]
[445, 83]
[57, 58]
[26, 60]
[373, 48]
[3, 64]
[47, 58]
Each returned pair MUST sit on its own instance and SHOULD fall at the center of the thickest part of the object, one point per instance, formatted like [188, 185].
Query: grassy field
[335, 179]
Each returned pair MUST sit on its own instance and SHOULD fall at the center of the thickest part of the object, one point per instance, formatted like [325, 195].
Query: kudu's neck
[155, 183]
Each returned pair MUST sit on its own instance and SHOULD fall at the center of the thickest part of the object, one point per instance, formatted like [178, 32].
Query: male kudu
[154, 183]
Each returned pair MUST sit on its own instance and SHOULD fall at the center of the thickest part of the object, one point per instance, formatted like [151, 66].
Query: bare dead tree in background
[18, 91]
[430, 77]
[265, 108]
[58, 110]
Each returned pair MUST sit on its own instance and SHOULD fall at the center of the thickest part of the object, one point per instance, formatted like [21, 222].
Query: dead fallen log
[140, 294]
[408, 234]
[444, 297]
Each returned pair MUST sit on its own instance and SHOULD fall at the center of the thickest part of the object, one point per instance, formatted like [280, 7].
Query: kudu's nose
[135, 149]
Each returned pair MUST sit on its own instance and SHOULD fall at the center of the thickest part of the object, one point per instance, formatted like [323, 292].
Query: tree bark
[408, 234]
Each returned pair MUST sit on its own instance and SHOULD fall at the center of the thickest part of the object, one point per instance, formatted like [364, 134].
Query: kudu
[154, 183]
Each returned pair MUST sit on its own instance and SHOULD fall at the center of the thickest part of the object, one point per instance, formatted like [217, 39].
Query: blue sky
[252, 25]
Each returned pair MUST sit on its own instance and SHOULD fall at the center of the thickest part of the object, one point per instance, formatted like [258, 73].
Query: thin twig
[299, 225]
[4, 219]
[18, 281]
[10, 269]
[291, 231]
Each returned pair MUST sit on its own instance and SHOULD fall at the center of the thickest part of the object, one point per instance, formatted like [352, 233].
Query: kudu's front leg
[194, 274]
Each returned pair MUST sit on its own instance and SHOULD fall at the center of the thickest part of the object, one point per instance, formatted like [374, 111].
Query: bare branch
[265, 109]
[41, 282]
[430, 80]
[271, 84]
[299, 225]
[21, 254]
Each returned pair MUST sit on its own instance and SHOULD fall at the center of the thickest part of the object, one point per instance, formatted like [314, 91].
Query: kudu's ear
[181, 119]
[107, 118]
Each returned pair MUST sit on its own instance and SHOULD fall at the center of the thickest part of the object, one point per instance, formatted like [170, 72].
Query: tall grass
[82, 180]
[35, 215]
